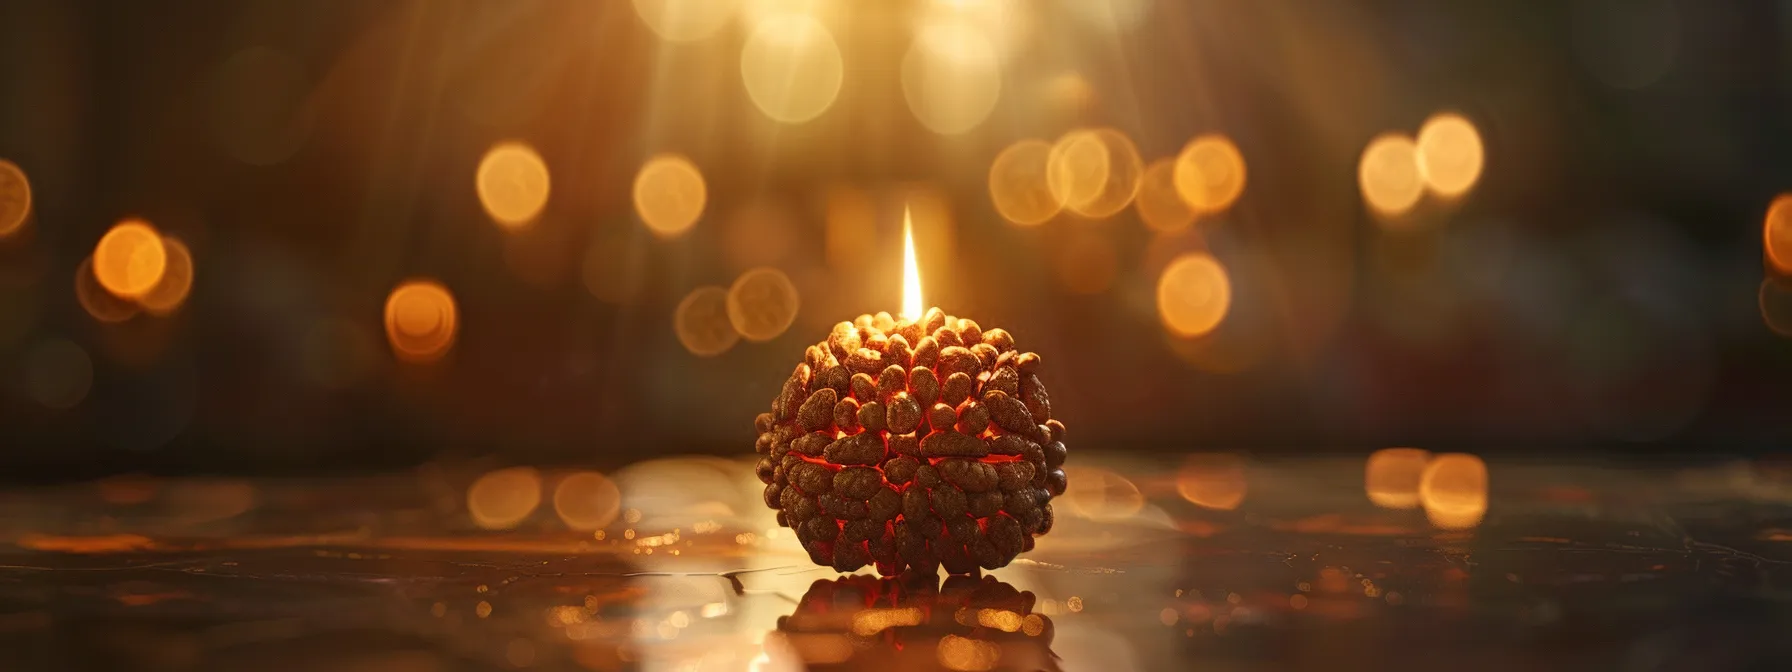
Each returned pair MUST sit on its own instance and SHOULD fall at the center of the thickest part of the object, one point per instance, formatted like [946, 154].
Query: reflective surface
[1573, 566]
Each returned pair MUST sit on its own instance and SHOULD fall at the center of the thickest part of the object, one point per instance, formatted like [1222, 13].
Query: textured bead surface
[906, 457]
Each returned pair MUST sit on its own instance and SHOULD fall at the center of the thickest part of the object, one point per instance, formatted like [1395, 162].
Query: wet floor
[1208, 562]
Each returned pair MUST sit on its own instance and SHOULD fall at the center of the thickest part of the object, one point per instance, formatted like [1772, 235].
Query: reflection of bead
[940, 454]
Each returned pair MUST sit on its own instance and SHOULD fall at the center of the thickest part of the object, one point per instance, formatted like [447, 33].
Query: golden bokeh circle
[1389, 174]
[1213, 481]
[669, 194]
[762, 303]
[1121, 183]
[791, 67]
[15, 198]
[1776, 233]
[1210, 173]
[168, 295]
[1159, 205]
[1453, 490]
[1450, 154]
[1018, 186]
[501, 499]
[1077, 168]
[685, 20]
[1193, 295]
[702, 324]
[1391, 477]
[512, 182]
[951, 77]
[587, 500]
[421, 321]
[99, 303]
[1102, 494]
[130, 259]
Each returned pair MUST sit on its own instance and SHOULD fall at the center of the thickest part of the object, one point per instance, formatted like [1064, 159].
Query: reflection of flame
[911, 272]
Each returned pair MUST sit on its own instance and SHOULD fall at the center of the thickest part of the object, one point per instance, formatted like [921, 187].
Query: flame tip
[911, 271]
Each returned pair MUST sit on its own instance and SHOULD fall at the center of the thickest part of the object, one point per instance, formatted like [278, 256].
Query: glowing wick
[911, 272]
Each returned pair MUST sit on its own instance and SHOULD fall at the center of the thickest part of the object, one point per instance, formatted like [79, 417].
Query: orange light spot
[512, 183]
[501, 499]
[1213, 480]
[1453, 490]
[168, 294]
[421, 321]
[130, 259]
[1193, 295]
[1210, 173]
[1391, 477]
[1776, 233]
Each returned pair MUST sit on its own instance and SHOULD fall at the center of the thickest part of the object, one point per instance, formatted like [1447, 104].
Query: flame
[911, 272]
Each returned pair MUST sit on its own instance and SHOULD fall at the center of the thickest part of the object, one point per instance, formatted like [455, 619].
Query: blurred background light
[15, 198]
[587, 500]
[1120, 181]
[57, 373]
[685, 20]
[762, 303]
[1389, 174]
[99, 303]
[502, 499]
[1018, 186]
[171, 291]
[791, 67]
[1775, 301]
[1450, 154]
[513, 184]
[1077, 168]
[1210, 173]
[1776, 233]
[1159, 204]
[1391, 477]
[1101, 494]
[951, 77]
[130, 259]
[670, 194]
[702, 323]
[1213, 481]
[421, 321]
[1193, 295]
[1453, 490]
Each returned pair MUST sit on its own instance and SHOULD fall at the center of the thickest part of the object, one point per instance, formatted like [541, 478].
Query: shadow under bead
[912, 446]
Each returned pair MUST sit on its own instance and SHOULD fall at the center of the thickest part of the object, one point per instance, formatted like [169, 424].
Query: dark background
[1599, 290]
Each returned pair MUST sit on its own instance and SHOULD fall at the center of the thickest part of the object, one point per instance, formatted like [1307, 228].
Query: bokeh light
[1210, 173]
[587, 500]
[1121, 177]
[501, 499]
[1101, 494]
[57, 374]
[951, 77]
[98, 302]
[512, 182]
[1450, 154]
[130, 259]
[1077, 168]
[1159, 204]
[15, 198]
[1018, 186]
[762, 303]
[685, 20]
[1776, 233]
[702, 324]
[968, 655]
[421, 321]
[1453, 490]
[1389, 174]
[669, 194]
[1391, 477]
[1213, 480]
[1775, 301]
[791, 67]
[1193, 295]
[168, 294]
